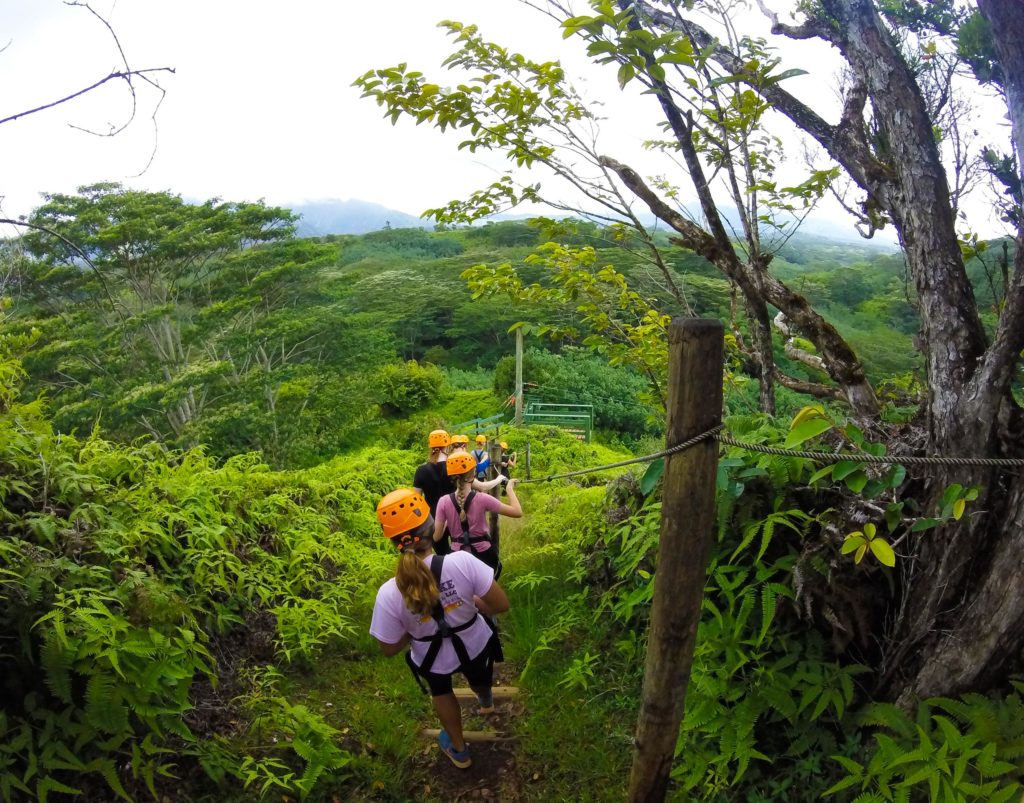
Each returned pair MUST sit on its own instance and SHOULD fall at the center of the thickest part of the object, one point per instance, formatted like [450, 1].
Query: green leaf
[880, 549]
[952, 493]
[724, 79]
[958, 508]
[849, 780]
[817, 475]
[626, 74]
[923, 524]
[791, 73]
[893, 514]
[853, 541]
[807, 430]
[856, 482]
[843, 469]
[651, 476]
[895, 476]
[51, 784]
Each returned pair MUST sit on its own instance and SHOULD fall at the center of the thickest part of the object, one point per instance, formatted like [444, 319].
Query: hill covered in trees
[200, 410]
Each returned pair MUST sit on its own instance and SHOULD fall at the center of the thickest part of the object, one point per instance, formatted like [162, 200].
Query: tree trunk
[971, 574]
[959, 617]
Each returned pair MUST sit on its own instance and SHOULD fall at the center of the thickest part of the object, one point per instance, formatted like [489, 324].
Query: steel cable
[819, 457]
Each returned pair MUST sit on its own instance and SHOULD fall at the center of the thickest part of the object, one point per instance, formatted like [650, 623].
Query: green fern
[57, 660]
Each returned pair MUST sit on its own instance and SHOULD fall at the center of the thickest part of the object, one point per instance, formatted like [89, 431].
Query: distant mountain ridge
[321, 218]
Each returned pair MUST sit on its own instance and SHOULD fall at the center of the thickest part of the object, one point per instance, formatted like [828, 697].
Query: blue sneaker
[462, 759]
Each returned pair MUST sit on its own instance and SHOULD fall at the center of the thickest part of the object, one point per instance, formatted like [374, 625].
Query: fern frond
[104, 708]
[57, 661]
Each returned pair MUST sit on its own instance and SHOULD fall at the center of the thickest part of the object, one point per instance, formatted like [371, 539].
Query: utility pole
[519, 376]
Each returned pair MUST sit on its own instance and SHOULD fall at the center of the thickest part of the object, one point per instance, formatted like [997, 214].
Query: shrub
[408, 387]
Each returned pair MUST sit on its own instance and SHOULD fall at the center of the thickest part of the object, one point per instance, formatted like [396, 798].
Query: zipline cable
[645, 459]
[889, 460]
[819, 457]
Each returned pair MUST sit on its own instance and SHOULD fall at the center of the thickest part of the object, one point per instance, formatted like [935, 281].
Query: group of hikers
[445, 592]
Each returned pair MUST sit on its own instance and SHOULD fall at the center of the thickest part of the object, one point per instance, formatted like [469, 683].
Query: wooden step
[499, 692]
[472, 736]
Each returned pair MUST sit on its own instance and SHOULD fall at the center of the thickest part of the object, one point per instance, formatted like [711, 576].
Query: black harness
[466, 539]
[445, 631]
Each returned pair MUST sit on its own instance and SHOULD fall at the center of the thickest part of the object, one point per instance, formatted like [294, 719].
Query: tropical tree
[124, 283]
[955, 619]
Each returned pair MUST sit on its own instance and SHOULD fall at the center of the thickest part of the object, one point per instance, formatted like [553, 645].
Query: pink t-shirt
[462, 577]
[478, 510]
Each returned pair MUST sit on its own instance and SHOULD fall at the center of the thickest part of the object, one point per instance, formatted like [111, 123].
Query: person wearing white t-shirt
[440, 621]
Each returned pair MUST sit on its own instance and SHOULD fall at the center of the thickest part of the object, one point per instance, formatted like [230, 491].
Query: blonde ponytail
[414, 579]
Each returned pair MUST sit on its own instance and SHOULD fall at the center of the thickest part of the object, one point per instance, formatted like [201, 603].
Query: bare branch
[810, 29]
[77, 250]
[114, 75]
[815, 389]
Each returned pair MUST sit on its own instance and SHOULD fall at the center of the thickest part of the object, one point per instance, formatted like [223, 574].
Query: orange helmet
[401, 511]
[481, 439]
[460, 463]
[460, 438]
[438, 439]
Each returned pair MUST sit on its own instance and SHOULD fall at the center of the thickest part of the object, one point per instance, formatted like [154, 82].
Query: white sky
[261, 105]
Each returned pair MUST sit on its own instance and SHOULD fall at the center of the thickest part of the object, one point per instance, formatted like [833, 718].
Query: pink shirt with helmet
[482, 505]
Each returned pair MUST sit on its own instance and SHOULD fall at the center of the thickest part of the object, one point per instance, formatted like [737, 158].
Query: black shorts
[479, 674]
[488, 556]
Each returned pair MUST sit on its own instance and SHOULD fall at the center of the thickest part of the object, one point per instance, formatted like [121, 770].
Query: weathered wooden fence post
[687, 530]
[527, 460]
[519, 376]
[494, 452]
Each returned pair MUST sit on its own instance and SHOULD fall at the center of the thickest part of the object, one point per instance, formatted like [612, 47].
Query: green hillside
[199, 412]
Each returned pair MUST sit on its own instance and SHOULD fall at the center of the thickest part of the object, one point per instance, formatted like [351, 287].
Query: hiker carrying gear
[438, 607]
[482, 457]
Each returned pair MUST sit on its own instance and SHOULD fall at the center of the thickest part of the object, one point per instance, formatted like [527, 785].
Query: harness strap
[465, 538]
[444, 631]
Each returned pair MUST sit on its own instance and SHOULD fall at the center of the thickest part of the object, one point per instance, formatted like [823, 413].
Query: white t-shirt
[462, 577]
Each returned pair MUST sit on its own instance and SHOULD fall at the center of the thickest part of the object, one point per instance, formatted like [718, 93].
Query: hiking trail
[494, 774]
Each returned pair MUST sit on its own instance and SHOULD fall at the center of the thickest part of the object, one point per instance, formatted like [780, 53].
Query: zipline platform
[577, 419]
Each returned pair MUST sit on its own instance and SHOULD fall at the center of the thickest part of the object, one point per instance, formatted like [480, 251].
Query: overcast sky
[261, 103]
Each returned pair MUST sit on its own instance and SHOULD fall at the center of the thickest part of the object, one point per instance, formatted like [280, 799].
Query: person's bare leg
[447, 708]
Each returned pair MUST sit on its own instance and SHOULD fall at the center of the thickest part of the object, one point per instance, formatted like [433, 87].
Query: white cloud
[261, 104]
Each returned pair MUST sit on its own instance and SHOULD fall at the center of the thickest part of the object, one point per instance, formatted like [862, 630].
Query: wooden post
[696, 353]
[527, 460]
[519, 376]
[494, 451]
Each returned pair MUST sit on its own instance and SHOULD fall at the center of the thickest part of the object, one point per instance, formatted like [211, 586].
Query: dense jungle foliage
[199, 412]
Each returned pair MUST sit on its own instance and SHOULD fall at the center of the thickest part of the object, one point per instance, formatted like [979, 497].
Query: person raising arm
[464, 512]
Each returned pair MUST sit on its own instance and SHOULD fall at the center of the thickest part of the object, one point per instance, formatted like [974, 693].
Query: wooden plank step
[498, 692]
[472, 736]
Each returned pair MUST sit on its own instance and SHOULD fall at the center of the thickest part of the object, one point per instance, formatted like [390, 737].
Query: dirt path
[494, 775]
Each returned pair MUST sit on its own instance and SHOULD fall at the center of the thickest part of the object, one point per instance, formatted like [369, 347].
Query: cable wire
[820, 457]
[645, 459]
